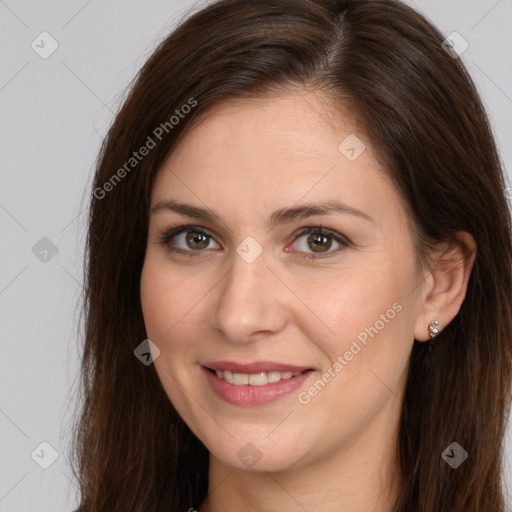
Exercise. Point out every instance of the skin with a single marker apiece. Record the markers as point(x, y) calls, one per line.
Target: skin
point(246, 159)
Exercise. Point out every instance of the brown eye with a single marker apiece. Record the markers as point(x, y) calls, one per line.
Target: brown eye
point(187, 239)
point(319, 243)
point(196, 240)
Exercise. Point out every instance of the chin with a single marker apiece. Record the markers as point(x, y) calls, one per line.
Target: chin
point(259, 455)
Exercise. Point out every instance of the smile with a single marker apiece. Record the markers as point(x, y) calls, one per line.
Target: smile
point(254, 384)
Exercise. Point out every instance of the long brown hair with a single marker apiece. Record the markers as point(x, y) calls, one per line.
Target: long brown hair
point(386, 64)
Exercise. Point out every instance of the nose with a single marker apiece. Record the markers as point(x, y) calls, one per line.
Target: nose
point(251, 301)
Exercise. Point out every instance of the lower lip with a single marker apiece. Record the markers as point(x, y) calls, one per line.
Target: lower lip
point(248, 396)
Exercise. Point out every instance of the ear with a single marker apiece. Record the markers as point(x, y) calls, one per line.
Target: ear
point(446, 282)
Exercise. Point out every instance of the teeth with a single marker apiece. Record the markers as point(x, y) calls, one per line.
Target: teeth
point(258, 379)
point(240, 378)
point(273, 377)
point(254, 379)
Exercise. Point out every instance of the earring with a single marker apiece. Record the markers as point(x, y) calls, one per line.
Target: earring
point(433, 328)
point(433, 331)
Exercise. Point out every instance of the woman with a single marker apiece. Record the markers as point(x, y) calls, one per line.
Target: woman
point(299, 272)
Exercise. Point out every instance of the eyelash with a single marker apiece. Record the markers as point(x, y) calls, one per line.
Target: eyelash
point(171, 233)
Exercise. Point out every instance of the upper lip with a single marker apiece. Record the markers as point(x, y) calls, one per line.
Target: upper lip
point(256, 367)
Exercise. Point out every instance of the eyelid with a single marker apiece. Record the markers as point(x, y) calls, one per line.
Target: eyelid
point(340, 238)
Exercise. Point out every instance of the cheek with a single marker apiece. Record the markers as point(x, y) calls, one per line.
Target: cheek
point(154, 301)
point(163, 301)
point(367, 355)
point(165, 305)
point(361, 304)
point(371, 310)
point(166, 296)
point(173, 317)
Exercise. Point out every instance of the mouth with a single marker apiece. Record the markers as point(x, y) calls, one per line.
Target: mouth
point(255, 383)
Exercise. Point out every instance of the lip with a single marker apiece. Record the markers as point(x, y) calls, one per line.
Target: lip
point(251, 396)
point(256, 367)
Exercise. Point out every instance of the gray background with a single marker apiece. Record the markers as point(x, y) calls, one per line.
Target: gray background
point(54, 113)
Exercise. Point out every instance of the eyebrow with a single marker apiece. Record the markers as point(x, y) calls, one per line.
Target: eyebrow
point(280, 216)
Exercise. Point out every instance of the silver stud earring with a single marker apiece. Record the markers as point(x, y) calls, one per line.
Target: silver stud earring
point(433, 331)
point(433, 328)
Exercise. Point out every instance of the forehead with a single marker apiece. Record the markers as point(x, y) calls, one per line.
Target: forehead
point(273, 152)
point(289, 126)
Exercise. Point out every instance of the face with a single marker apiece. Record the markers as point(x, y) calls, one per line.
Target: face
point(307, 313)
